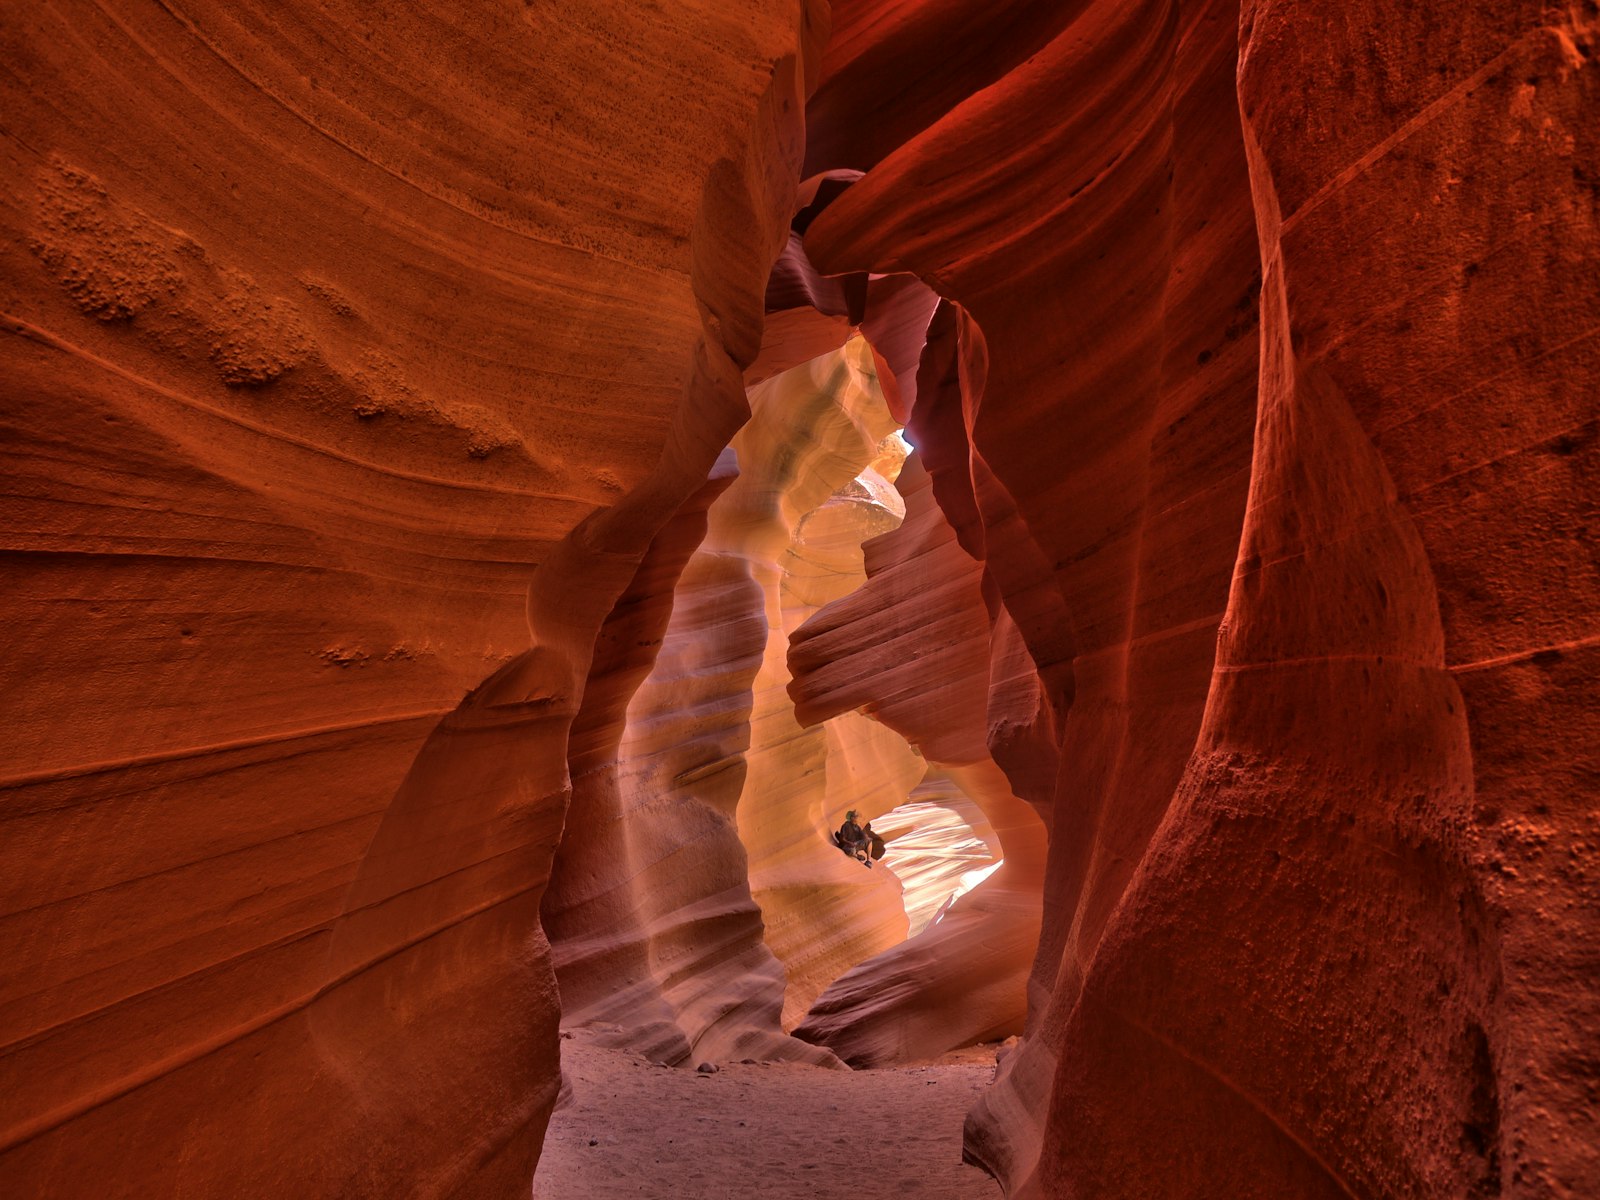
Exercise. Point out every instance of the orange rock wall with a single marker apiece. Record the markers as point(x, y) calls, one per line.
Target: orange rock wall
point(653, 931)
point(323, 331)
point(1466, 382)
point(1106, 384)
point(797, 519)
point(364, 382)
point(697, 903)
point(1318, 914)
point(912, 647)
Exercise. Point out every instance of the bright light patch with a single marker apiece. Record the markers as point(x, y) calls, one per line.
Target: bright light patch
point(969, 881)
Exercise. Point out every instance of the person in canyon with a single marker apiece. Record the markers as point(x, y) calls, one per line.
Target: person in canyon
point(853, 839)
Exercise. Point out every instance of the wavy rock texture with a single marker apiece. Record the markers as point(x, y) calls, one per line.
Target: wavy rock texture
point(660, 921)
point(1469, 385)
point(811, 493)
point(1298, 872)
point(347, 326)
point(1109, 399)
point(365, 385)
point(648, 910)
point(912, 648)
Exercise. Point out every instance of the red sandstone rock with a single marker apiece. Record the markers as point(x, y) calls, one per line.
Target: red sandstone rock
point(912, 647)
point(796, 522)
point(654, 933)
point(1124, 457)
point(1255, 553)
point(322, 331)
point(697, 836)
point(1293, 899)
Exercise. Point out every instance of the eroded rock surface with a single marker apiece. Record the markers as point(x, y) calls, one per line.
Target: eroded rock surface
point(912, 647)
point(698, 901)
point(1297, 850)
point(372, 557)
point(322, 332)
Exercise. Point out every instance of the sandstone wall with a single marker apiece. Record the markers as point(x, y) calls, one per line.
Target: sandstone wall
point(365, 381)
point(698, 903)
point(322, 332)
point(1431, 285)
point(912, 648)
point(1105, 373)
point(1313, 903)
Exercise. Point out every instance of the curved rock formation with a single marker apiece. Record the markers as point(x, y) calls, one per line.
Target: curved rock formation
point(808, 499)
point(939, 845)
point(366, 382)
point(912, 648)
point(648, 908)
point(704, 799)
point(1288, 947)
point(1462, 392)
point(299, 389)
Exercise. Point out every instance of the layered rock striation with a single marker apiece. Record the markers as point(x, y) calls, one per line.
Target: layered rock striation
point(1294, 872)
point(696, 859)
point(373, 558)
point(324, 335)
point(912, 647)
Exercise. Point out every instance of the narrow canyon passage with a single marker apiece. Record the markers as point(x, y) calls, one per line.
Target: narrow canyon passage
point(678, 987)
point(728, 724)
point(489, 486)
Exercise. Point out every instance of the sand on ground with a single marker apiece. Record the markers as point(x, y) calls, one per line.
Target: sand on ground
point(773, 1131)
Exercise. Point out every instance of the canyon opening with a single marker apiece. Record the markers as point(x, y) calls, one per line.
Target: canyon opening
point(491, 488)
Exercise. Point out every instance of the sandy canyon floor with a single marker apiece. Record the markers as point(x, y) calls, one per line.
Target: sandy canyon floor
point(771, 1130)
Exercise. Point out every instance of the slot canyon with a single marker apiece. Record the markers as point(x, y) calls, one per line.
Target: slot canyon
point(491, 486)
